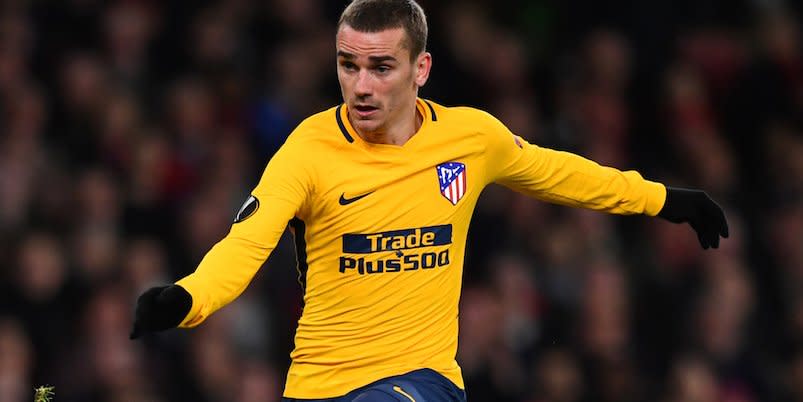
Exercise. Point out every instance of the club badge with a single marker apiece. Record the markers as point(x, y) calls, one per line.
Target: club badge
point(452, 180)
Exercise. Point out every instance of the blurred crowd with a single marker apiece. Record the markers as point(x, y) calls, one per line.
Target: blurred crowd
point(132, 130)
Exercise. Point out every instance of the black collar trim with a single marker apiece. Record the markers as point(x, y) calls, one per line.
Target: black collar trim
point(432, 111)
point(342, 126)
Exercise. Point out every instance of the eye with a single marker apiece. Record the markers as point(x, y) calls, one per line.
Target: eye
point(382, 69)
point(349, 66)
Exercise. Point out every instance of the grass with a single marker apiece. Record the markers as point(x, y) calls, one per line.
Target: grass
point(44, 394)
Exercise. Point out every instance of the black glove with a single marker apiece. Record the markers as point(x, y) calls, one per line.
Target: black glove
point(697, 208)
point(160, 308)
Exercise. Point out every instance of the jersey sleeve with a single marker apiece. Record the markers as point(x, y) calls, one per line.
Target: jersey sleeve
point(230, 265)
point(566, 178)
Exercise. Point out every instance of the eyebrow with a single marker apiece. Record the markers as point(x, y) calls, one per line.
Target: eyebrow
point(373, 59)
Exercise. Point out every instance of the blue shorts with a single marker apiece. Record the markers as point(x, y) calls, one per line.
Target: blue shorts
point(423, 385)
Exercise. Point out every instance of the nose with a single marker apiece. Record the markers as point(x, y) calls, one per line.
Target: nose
point(362, 87)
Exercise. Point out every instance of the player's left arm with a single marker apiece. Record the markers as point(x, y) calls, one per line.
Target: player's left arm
point(230, 265)
point(569, 179)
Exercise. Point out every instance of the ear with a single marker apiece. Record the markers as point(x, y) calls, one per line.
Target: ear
point(423, 64)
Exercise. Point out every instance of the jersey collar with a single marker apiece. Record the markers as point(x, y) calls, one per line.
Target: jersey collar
point(341, 116)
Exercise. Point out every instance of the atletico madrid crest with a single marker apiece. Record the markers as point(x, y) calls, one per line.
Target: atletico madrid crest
point(452, 179)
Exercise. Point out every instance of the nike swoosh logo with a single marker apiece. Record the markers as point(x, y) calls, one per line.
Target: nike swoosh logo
point(401, 391)
point(347, 201)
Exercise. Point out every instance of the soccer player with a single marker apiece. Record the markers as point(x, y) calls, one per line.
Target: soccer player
point(379, 192)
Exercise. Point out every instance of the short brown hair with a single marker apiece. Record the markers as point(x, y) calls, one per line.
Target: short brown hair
point(379, 15)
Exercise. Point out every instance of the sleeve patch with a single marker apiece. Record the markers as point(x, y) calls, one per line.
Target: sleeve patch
point(249, 208)
point(517, 141)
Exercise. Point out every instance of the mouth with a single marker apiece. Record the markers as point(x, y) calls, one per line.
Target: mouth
point(365, 110)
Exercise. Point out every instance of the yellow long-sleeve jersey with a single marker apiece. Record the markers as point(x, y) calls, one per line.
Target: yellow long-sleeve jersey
point(382, 230)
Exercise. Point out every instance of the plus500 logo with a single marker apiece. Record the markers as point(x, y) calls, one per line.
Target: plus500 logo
point(405, 245)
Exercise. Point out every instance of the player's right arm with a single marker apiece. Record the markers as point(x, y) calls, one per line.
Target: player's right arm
point(569, 179)
point(564, 178)
point(229, 265)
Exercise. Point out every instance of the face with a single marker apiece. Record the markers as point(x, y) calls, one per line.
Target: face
point(378, 81)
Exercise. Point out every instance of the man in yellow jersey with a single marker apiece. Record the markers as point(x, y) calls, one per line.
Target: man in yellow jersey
point(379, 192)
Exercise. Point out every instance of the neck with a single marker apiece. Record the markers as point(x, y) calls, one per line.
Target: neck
point(399, 132)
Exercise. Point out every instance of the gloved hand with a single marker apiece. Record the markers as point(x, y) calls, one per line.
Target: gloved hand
point(699, 210)
point(160, 308)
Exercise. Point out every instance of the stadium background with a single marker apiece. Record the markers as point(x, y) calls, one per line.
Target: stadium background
point(131, 131)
